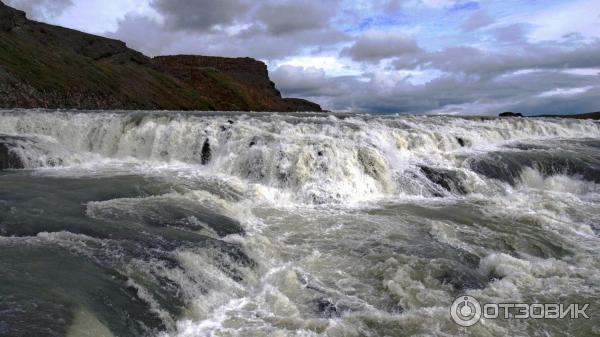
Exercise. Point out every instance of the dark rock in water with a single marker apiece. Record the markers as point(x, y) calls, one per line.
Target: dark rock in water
point(596, 229)
point(320, 153)
point(230, 121)
point(507, 166)
point(511, 114)
point(253, 141)
point(460, 141)
point(9, 159)
point(327, 308)
point(447, 179)
point(462, 278)
point(206, 152)
point(397, 309)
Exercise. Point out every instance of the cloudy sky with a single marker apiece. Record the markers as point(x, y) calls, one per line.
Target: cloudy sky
point(418, 56)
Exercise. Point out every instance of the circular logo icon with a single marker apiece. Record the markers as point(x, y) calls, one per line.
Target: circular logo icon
point(465, 311)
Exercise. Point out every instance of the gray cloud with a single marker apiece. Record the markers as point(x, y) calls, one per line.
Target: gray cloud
point(477, 20)
point(199, 15)
point(135, 31)
point(376, 46)
point(289, 17)
point(453, 92)
point(309, 82)
point(511, 34)
point(474, 61)
point(233, 28)
point(253, 41)
point(40, 9)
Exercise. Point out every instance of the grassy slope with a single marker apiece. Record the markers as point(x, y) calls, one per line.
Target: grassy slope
point(60, 71)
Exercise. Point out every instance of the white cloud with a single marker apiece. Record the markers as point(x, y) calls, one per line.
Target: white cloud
point(565, 92)
point(582, 17)
point(330, 65)
point(100, 16)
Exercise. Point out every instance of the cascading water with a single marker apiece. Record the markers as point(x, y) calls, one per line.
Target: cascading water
point(231, 224)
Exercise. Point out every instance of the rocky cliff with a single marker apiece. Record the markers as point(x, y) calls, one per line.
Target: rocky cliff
point(45, 66)
point(230, 83)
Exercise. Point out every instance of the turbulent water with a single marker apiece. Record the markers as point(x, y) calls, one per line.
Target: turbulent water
point(227, 224)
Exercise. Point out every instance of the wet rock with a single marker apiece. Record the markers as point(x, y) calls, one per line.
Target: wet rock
point(320, 153)
point(463, 278)
point(9, 159)
point(206, 152)
point(230, 121)
point(448, 180)
point(460, 141)
point(396, 309)
point(596, 229)
point(253, 141)
point(508, 166)
point(327, 308)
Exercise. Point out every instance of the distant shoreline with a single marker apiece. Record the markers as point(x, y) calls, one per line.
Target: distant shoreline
point(588, 115)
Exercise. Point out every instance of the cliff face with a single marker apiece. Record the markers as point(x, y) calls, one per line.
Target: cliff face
point(230, 83)
point(45, 66)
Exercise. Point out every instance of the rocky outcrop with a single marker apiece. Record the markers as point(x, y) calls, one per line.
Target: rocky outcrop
point(9, 159)
point(244, 70)
point(10, 18)
point(230, 83)
point(511, 114)
point(45, 66)
point(447, 179)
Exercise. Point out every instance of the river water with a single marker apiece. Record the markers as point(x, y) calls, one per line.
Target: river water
point(259, 224)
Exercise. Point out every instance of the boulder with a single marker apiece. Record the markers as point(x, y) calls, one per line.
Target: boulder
point(206, 152)
point(447, 179)
point(8, 158)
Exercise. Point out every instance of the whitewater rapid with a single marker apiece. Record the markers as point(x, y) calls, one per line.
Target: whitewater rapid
point(261, 224)
point(312, 159)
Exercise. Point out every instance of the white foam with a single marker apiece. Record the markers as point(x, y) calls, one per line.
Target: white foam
point(305, 159)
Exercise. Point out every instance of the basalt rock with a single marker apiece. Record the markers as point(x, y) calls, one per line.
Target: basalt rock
point(447, 179)
point(9, 159)
point(206, 152)
point(326, 308)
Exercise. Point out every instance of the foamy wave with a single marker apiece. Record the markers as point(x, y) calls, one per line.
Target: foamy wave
point(314, 159)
